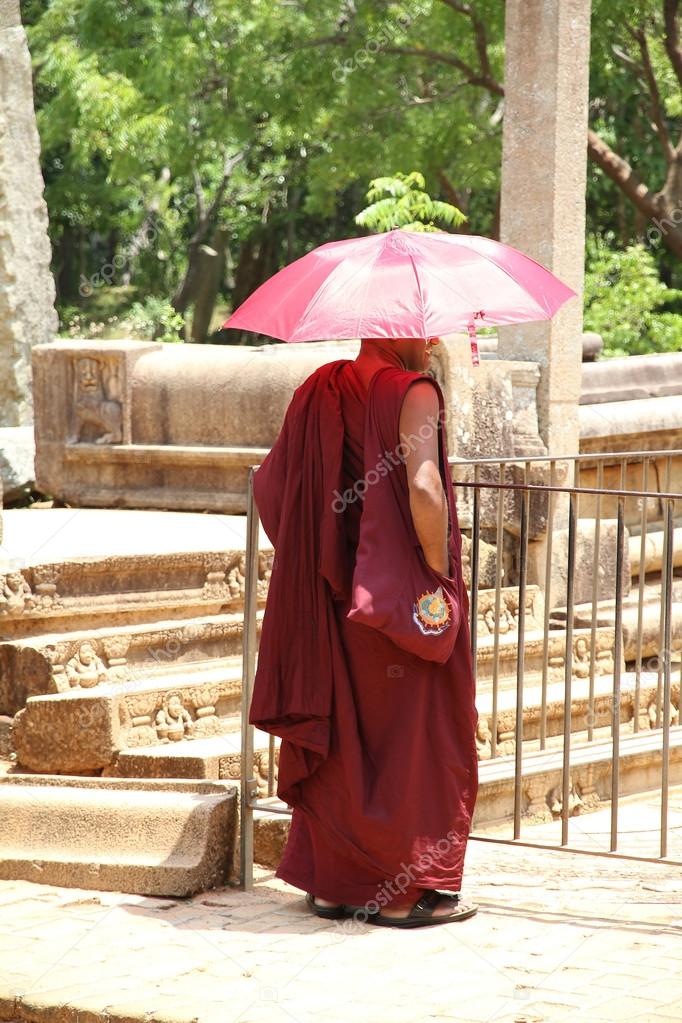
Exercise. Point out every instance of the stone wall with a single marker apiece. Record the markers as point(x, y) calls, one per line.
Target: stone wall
point(146, 425)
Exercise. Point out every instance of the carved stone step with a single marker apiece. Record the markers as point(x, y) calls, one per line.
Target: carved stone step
point(497, 642)
point(83, 730)
point(650, 643)
point(218, 758)
point(582, 715)
point(54, 663)
point(65, 569)
point(113, 834)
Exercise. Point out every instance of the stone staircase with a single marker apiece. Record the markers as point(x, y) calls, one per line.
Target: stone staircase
point(147, 837)
point(120, 682)
point(126, 651)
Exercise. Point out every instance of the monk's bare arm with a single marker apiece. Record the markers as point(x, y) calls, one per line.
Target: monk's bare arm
point(428, 503)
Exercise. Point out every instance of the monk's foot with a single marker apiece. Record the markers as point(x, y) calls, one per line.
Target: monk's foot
point(324, 903)
point(443, 907)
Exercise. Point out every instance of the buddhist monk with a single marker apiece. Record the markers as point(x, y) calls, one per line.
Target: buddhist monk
point(378, 757)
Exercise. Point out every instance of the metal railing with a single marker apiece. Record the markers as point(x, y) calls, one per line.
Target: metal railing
point(548, 586)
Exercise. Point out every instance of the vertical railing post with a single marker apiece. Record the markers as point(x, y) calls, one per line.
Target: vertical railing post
point(249, 786)
point(667, 582)
point(640, 591)
point(596, 555)
point(474, 565)
point(547, 605)
point(499, 556)
point(617, 657)
point(521, 661)
point(568, 665)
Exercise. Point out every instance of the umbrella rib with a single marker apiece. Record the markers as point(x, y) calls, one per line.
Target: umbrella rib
point(509, 274)
point(358, 322)
point(326, 283)
point(448, 284)
point(419, 289)
point(516, 282)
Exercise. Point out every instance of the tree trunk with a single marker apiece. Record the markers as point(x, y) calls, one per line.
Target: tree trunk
point(211, 268)
point(650, 204)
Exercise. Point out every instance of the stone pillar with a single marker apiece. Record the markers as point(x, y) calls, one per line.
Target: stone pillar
point(27, 290)
point(544, 168)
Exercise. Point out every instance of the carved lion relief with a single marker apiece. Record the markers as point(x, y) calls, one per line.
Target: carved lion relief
point(97, 407)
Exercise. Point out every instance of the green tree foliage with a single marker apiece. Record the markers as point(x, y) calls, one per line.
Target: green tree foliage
point(627, 303)
point(235, 135)
point(401, 202)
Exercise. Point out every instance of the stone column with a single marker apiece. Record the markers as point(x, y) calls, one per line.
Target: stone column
point(544, 167)
point(27, 290)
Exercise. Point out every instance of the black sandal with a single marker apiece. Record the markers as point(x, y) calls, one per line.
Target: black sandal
point(422, 912)
point(328, 912)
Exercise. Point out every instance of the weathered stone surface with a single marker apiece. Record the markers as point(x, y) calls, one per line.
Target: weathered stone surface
point(27, 291)
point(116, 421)
point(497, 646)
point(82, 730)
point(592, 345)
point(124, 835)
point(650, 644)
point(487, 558)
point(653, 551)
point(123, 638)
point(82, 569)
point(217, 758)
point(17, 454)
point(123, 657)
point(270, 834)
point(632, 378)
point(5, 735)
point(590, 777)
point(491, 408)
point(584, 567)
point(542, 208)
point(651, 424)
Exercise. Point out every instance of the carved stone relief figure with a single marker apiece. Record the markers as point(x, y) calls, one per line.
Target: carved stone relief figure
point(97, 412)
point(506, 622)
point(173, 721)
point(15, 594)
point(483, 739)
point(555, 800)
point(264, 572)
point(651, 714)
point(45, 578)
point(236, 578)
point(86, 669)
point(581, 658)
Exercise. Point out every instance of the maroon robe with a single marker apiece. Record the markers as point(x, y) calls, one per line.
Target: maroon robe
point(378, 755)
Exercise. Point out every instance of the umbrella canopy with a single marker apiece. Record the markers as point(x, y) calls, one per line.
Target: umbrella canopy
point(401, 284)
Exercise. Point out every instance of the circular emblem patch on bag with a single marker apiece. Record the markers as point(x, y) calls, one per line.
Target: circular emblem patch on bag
point(431, 612)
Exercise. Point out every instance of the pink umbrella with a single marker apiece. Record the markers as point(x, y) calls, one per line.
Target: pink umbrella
point(401, 284)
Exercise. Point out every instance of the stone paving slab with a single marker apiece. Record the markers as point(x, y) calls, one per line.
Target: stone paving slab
point(558, 936)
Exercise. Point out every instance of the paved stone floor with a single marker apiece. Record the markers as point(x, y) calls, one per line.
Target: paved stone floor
point(558, 936)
